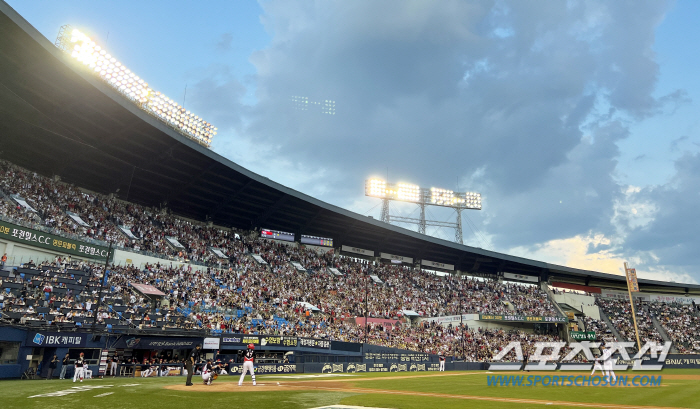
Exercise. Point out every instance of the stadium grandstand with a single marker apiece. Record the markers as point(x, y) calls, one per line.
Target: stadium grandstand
point(114, 224)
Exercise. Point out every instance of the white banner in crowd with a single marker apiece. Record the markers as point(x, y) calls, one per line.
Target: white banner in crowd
point(76, 218)
point(520, 277)
point(298, 266)
point(393, 257)
point(127, 230)
point(357, 250)
point(259, 259)
point(335, 271)
point(435, 264)
point(174, 242)
point(376, 279)
point(218, 252)
point(23, 203)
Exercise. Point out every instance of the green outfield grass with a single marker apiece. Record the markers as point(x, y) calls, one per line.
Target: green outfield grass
point(390, 390)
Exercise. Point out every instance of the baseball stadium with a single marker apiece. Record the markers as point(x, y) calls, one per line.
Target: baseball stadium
point(142, 269)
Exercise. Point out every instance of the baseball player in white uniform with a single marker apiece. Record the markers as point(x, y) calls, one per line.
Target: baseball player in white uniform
point(442, 361)
point(147, 372)
point(113, 367)
point(608, 362)
point(597, 366)
point(79, 368)
point(248, 359)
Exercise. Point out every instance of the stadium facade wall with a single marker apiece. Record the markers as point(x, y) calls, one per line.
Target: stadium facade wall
point(14, 233)
point(585, 303)
point(21, 253)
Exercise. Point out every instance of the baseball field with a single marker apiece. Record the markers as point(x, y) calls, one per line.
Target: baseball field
point(678, 389)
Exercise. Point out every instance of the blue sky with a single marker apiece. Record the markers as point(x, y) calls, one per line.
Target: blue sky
point(577, 120)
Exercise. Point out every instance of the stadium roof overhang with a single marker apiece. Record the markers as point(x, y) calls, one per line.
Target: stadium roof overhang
point(56, 118)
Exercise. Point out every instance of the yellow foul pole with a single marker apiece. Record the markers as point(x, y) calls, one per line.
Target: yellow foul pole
point(632, 285)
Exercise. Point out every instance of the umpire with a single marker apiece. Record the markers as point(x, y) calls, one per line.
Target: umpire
point(189, 364)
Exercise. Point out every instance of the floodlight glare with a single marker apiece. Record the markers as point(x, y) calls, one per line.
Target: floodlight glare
point(86, 51)
point(406, 192)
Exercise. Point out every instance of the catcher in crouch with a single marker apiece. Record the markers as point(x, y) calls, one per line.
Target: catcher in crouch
point(209, 374)
point(248, 359)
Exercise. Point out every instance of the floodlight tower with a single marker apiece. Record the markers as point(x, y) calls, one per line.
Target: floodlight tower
point(105, 67)
point(423, 197)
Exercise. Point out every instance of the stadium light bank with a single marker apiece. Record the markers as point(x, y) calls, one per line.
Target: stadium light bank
point(406, 192)
point(106, 67)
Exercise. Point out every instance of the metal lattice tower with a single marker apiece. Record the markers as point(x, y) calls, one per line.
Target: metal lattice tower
point(458, 228)
point(63, 38)
point(385, 210)
point(423, 197)
point(421, 225)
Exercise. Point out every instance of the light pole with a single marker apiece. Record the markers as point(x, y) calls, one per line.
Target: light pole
point(366, 305)
point(461, 321)
point(102, 284)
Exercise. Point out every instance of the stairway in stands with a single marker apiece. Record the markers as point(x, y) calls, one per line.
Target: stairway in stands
point(606, 319)
point(550, 295)
point(661, 329)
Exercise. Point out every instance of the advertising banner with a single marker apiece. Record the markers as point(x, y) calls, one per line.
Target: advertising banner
point(356, 367)
point(380, 353)
point(680, 361)
point(357, 250)
point(632, 283)
point(211, 343)
point(16, 233)
point(621, 295)
point(314, 343)
point(56, 339)
point(435, 264)
point(451, 319)
point(275, 340)
point(402, 259)
point(519, 318)
point(520, 277)
point(266, 369)
point(135, 342)
point(583, 336)
point(679, 299)
point(240, 339)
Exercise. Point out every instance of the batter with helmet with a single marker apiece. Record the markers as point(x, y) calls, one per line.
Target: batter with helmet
point(248, 359)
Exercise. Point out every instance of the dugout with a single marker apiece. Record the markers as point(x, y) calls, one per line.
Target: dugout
point(22, 349)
